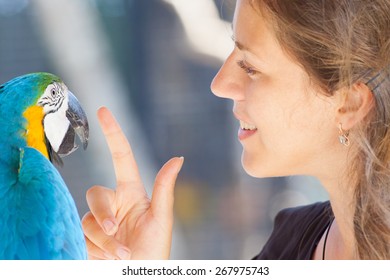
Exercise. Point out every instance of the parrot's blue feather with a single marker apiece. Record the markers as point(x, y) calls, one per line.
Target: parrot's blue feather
point(38, 217)
point(45, 231)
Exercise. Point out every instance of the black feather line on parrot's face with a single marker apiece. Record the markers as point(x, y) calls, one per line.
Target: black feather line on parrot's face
point(53, 156)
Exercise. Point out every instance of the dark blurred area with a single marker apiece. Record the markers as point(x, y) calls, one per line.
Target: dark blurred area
point(139, 57)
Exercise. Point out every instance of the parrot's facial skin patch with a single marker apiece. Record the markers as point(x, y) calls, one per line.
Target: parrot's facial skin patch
point(54, 98)
point(54, 102)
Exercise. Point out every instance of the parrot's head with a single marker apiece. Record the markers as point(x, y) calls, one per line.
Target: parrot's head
point(53, 115)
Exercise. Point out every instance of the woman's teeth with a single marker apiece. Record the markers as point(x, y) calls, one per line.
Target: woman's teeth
point(246, 126)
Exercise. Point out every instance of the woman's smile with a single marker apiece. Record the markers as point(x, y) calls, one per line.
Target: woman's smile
point(246, 130)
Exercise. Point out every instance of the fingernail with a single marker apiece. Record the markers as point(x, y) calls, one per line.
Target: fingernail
point(181, 164)
point(123, 254)
point(109, 227)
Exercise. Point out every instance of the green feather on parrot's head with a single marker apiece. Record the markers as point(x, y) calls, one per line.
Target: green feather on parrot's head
point(50, 114)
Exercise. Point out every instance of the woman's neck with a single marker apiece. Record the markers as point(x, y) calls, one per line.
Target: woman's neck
point(340, 240)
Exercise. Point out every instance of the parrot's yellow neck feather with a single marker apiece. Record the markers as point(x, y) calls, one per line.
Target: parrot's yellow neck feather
point(35, 135)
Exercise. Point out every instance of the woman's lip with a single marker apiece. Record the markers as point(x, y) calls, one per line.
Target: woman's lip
point(245, 133)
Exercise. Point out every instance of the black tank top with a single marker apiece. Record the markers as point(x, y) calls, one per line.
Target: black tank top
point(296, 233)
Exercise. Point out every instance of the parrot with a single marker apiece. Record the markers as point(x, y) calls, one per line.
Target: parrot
point(39, 121)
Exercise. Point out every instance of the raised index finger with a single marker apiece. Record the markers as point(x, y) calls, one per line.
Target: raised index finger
point(125, 166)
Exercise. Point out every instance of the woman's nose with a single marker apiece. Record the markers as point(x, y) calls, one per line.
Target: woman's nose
point(227, 83)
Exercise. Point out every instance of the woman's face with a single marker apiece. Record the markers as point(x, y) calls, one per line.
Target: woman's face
point(286, 127)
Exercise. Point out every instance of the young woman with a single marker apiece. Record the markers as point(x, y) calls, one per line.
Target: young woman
point(310, 81)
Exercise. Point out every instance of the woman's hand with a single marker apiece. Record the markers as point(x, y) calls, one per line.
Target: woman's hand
point(124, 223)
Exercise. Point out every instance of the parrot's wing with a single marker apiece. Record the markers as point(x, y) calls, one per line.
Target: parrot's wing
point(44, 223)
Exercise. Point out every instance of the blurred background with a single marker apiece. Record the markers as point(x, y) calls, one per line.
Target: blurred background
point(151, 62)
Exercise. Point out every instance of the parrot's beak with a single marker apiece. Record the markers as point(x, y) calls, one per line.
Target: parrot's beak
point(78, 119)
point(78, 125)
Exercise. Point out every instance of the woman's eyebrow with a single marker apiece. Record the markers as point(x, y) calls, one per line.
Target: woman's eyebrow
point(245, 48)
point(240, 46)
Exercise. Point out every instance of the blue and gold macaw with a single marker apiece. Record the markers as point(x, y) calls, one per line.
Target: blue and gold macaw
point(39, 119)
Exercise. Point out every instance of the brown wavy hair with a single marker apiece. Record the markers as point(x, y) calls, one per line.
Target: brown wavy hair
point(340, 43)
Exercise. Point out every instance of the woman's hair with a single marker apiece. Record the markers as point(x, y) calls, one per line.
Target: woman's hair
point(340, 43)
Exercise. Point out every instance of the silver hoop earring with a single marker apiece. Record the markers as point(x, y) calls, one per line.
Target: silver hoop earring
point(343, 136)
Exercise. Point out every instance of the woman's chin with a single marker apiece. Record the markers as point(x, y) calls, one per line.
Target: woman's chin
point(252, 167)
point(259, 168)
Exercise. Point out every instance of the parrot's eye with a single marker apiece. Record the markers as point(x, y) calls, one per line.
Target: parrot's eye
point(53, 93)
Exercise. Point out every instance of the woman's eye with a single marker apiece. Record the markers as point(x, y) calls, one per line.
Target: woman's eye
point(249, 70)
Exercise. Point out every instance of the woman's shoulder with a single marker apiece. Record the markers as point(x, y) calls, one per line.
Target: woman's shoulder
point(297, 231)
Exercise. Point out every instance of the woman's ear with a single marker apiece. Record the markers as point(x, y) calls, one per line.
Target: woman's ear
point(355, 104)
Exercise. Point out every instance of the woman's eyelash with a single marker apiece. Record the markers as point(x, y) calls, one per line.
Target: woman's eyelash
point(249, 70)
